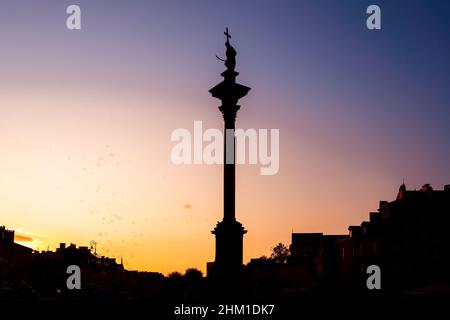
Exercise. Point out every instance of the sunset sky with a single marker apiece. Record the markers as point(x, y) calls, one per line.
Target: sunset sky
point(86, 118)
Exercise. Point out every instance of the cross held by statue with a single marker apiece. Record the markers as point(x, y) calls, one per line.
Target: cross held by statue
point(227, 34)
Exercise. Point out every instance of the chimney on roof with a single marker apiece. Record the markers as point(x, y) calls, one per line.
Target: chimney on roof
point(365, 225)
point(6, 236)
point(374, 216)
point(354, 231)
point(382, 204)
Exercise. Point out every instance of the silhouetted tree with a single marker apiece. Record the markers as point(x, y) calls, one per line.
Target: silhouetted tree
point(280, 253)
point(193, 275)
point(175, 279)
point(193, 282)
point(175, 275)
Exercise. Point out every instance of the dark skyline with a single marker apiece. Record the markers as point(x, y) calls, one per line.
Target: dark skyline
point(86, 119)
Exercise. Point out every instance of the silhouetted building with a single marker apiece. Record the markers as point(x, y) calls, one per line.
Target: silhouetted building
point(17, 257)
point(101, 277)
point(229, 232)
point(32, 275)
point(407, 238)
point(319, 252)
point(266, 273)
point(99, 274)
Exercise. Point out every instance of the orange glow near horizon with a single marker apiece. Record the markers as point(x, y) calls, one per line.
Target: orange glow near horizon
point(79, 170)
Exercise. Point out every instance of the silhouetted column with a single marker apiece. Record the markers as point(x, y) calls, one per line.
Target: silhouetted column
point(229, 232)
point(229, 172)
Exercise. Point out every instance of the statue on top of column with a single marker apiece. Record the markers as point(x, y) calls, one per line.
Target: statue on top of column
point(230, 62)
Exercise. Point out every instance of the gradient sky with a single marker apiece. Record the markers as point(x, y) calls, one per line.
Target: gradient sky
point(86, 118)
